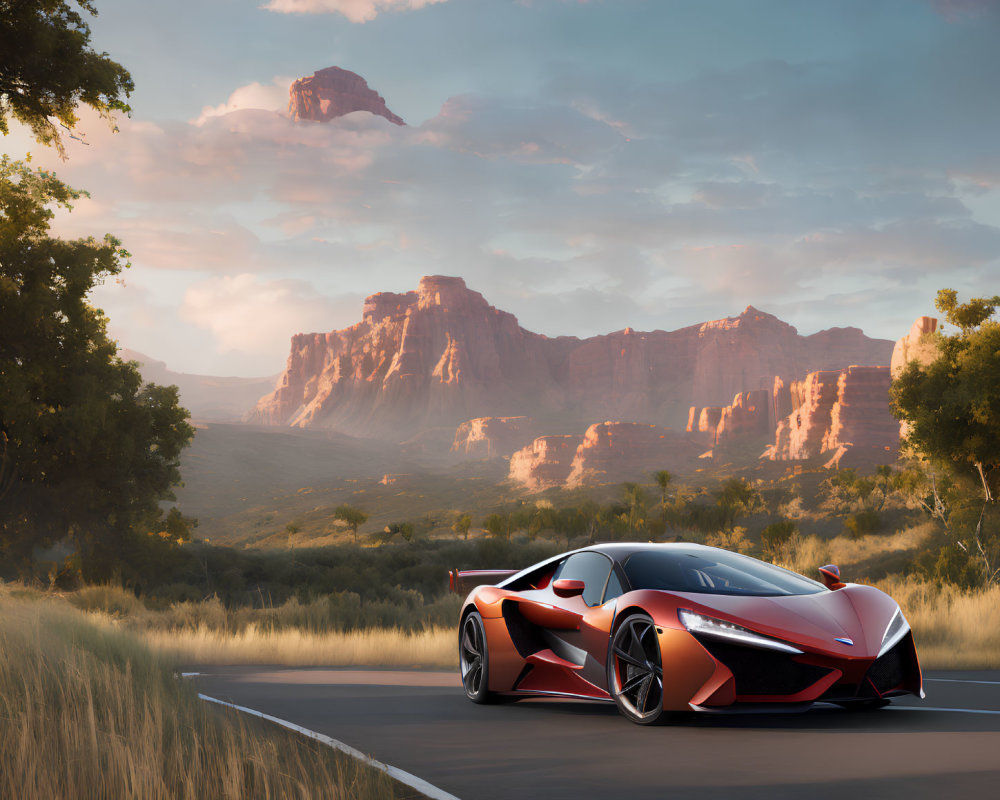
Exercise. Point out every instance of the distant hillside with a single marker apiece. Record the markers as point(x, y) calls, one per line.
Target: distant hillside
point(207, 397)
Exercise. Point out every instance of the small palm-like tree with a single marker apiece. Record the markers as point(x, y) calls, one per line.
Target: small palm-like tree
point(663, 479)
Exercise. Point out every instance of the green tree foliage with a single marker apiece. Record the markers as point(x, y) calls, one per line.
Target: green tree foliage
point(498, 525)
point(351, 516)
point(462, 524)
point(47, 68)
point(952, 410)
point(735, 497)
point(86, 450)
point(776, 536)
point(862, 523)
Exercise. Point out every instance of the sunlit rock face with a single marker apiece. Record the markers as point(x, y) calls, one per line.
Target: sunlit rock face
point(333, 92)
point(608, 452)
point(493, 437)
point(918, 345)
point(442, 355)
point(617, 451)
point(747, 417)
point(545, 463)
point(841, 415)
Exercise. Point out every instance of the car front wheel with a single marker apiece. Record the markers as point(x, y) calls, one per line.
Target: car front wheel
point(635, 670)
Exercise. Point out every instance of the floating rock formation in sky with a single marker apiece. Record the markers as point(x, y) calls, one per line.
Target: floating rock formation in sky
point(333, 92)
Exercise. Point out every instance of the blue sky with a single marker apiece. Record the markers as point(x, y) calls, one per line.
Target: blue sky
point(585, 165)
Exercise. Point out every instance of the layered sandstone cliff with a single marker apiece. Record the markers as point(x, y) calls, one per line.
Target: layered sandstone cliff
point(333, 92)
point(841, 415)
point(747, 417)
point(607, 453)
point(617, 451)
point(441, 355)
point(544, 463)
point(493, 437)
point(918, 345)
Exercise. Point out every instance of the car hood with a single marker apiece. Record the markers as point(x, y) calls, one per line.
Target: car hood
point(815, 621)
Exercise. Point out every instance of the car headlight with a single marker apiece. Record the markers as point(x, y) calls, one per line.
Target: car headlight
point(896, 630)
point(720, 629)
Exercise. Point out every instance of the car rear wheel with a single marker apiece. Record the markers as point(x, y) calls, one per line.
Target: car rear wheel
point(473, 658)
point(635, 670)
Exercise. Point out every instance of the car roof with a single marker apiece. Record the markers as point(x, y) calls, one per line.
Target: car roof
point(616, 551)
point(620, 551)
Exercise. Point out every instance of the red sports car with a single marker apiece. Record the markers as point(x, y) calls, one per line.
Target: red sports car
point(670, 627)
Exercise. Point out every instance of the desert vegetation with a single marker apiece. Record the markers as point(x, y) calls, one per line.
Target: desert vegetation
point(89, 709)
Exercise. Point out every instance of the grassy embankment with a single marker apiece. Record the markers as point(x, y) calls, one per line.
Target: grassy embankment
point(88, 710)
point(954, 628)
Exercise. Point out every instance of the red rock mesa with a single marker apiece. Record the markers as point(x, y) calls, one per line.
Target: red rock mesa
point(333, 92)
point(442, 355)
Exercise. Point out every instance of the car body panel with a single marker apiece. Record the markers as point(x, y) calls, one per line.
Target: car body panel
point(541, 643)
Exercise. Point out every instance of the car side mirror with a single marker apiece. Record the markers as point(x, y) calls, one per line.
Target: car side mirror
point(831, 577)
point(565, 587)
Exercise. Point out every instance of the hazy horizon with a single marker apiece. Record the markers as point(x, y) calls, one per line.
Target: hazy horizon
point(586, 166)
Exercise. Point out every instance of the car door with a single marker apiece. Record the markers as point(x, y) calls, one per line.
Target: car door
point(585, 644)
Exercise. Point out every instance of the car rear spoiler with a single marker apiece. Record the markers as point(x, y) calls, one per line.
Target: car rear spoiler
point(463, 581)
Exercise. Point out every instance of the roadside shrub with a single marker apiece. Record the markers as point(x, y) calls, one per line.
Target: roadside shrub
point(862, 523)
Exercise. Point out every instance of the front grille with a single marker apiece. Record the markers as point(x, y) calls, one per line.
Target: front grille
point(888, 671)
point(763, 672)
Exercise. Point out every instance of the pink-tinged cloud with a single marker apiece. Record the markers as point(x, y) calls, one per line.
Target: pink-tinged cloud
point(268, 96)
point(248, 315)
point(354, 10)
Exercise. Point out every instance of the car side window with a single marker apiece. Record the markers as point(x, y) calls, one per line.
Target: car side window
point(591, 568)
point(614, 588)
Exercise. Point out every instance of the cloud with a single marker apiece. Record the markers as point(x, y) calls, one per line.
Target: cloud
point(269, 97)
point(599, 203)
point(956, 10)
point(354, 10)
point(248, 315)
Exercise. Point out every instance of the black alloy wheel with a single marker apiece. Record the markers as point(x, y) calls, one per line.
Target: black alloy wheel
point(635, 670)
point(473, 658)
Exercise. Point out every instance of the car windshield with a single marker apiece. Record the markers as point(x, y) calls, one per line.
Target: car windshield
point(711, 571)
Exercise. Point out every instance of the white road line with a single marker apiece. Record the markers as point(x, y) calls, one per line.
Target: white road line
point(402, 776)
point(932, 708)
point(961, 680)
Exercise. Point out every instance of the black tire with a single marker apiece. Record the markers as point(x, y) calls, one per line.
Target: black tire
point(635, 671)
point(474, 659)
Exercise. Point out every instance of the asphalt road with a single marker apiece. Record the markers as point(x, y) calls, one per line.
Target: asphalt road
point(421, 722)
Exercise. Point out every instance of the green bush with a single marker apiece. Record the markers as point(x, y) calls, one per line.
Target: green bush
point(862, 523)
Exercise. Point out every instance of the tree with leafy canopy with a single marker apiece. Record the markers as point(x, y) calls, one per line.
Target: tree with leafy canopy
point(952, 410)
point(351, 516)
point(48, 68)
point(87, 451)
point(462, 524)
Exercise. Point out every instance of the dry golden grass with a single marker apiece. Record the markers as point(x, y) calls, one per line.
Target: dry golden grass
point(953, 628)
point(435, 647)
point(804, 554)
point(88, 711)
